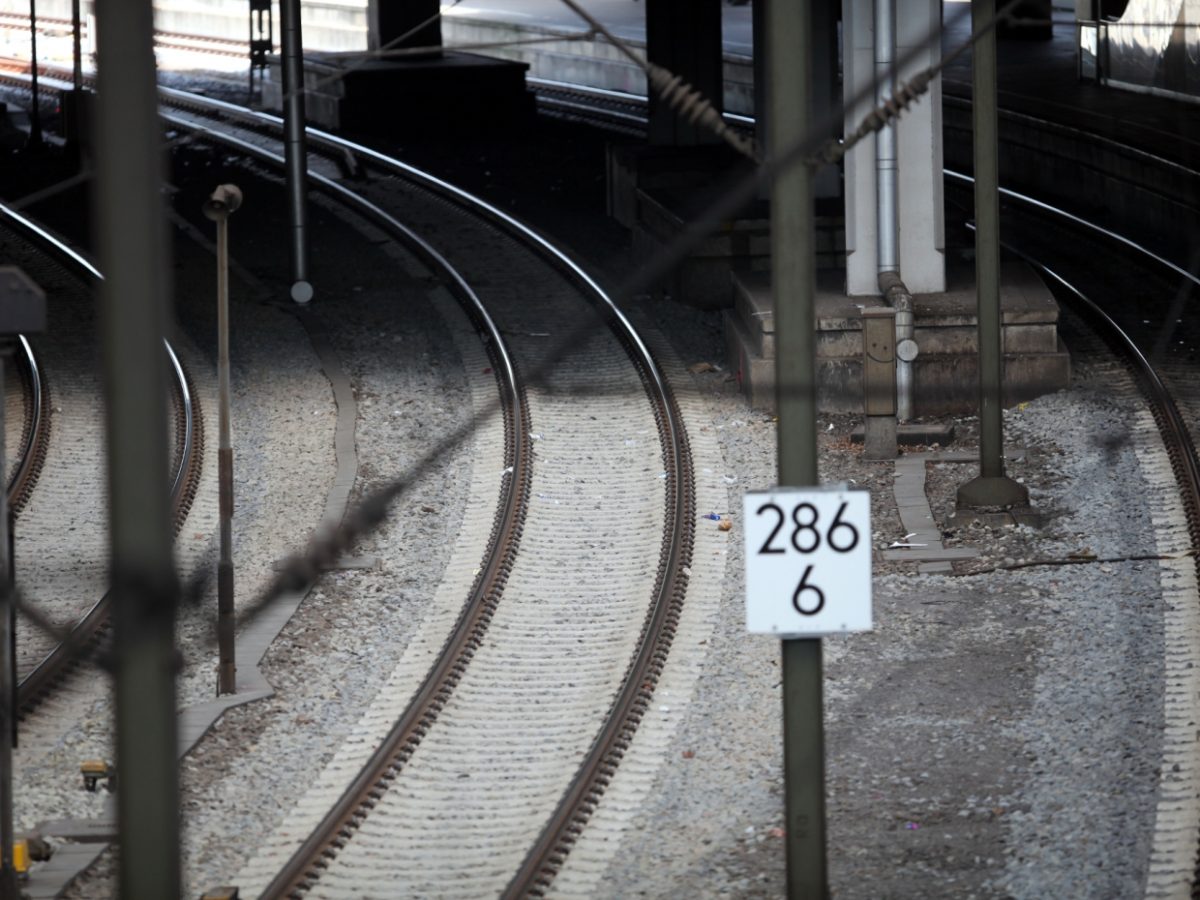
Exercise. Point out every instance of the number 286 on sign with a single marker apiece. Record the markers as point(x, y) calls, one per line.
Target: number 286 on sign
point(808, 561)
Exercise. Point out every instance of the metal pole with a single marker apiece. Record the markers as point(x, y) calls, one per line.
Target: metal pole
point(130, 231)
point(224, 201)
point(992, 487)
point(8, 687)
point(987, 242)
point(76, 45)
point(35, 112)
point(295, 162)
point(793, 261)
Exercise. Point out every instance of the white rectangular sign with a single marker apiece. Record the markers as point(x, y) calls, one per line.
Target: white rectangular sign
point(808, 561)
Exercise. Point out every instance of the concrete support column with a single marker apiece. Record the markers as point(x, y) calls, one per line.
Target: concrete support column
point(919, 139)
point(684, 36)
point(390, 20)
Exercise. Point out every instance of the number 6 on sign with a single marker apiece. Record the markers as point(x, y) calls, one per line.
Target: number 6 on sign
point(808, 561)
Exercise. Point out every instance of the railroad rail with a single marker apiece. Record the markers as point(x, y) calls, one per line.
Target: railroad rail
point(35, 430)
point(185, 479)
point(166, 39)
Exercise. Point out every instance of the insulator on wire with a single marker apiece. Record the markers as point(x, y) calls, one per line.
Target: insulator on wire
point(689, 103)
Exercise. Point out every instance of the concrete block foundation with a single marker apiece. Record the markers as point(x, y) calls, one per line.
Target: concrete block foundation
point(946, 373)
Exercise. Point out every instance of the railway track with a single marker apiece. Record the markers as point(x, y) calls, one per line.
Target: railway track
point(632, 696)
point(47, 663)
point(638, 666)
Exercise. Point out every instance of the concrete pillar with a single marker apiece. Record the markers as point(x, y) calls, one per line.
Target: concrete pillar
point(919, 136)
point(389, 20)
point(684, 36)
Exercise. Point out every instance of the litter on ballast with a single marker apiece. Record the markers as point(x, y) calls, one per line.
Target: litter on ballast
point(698, 368)
point(716, 517)
point(911, 826)
point(725, 525)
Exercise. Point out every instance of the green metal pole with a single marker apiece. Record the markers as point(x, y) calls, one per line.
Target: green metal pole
point(129, 226)
point(793, 260)
point(992, 487)
point(987, 241)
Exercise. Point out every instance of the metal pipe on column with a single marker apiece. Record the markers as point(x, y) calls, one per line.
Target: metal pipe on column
point(887, 205)
point(129, 226)
point(886, 193)
point(295, 152)
point(793, 266)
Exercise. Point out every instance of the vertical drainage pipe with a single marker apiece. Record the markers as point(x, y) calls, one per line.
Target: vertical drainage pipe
point(887, 227)
point(294, 152)
point(887, 206)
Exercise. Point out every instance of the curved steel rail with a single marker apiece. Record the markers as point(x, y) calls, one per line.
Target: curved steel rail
point(633, 699)
point(189, 444)
point(35, 436)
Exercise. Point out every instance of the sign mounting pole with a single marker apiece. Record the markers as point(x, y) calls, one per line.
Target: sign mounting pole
point(789, 61)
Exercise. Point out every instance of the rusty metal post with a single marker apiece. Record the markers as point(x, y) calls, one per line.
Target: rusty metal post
point(130, 230)
point(224, 201)
point(879, 382)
